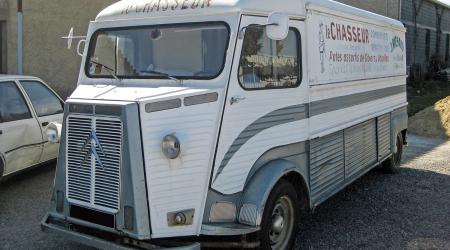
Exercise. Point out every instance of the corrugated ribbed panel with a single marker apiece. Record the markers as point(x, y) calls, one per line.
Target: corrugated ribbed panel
point(384, 136)
point(360, 149)
point(107, 177)
point(327, 166)
point(249, 215)
point(78, 167)
point(94, 182)
point(179, 184)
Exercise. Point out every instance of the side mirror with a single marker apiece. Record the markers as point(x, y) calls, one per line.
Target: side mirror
point(277, 26)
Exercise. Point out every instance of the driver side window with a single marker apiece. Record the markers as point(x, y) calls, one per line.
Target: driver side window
point(269, 64)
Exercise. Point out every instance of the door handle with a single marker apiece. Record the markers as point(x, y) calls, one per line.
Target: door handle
point(235, 100)
point(1, 132)
point(44, 124)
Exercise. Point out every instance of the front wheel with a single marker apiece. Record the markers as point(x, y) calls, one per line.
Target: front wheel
point(392, 165)
point(1, 168)
point(279, 224)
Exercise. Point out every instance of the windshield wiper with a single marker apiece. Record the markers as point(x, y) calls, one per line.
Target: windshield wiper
point(161, 74)
point(110, 71)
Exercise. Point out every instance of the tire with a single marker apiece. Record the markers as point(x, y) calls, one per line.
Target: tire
point(280, 220)
point(392, 165)
point(2, 167)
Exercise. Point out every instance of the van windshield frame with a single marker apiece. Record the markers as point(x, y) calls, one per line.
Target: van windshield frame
point(161, 75)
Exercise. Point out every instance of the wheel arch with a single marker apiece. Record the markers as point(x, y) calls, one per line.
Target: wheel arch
point(259, 187)
point(399, 124)
point(299, 183)
point(2, 164)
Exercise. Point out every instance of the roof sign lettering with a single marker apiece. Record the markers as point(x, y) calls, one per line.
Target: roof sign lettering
point(164, 5)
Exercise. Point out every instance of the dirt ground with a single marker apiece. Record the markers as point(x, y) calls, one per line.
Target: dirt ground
point(433, 121)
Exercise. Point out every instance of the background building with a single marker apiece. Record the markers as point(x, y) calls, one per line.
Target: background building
point(389, 8)
point(428, 25)
point(45, 53)
point(46, 21)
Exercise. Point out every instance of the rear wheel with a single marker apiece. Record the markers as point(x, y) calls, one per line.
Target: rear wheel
point(1, 168)
point(279, 225)
point(392, 165)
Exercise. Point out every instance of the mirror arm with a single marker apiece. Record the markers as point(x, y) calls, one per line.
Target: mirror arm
point(243, 29)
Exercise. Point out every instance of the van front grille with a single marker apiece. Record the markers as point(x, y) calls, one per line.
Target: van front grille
point(94, 146)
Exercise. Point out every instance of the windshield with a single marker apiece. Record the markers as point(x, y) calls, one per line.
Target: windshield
point(185, 51)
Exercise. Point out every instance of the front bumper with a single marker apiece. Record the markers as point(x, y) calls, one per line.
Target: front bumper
point(55, 225)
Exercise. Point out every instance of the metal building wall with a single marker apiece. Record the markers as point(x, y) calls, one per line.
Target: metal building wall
point(389, 8)
point(426, 20)
point(403, 11)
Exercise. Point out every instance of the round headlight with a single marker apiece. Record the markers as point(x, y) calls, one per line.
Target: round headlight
point(171, 146)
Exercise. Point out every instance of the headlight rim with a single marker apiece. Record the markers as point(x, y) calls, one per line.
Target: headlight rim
point(171, 146)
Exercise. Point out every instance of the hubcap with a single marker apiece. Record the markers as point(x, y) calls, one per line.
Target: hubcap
point(278, 224)
point(282, 223)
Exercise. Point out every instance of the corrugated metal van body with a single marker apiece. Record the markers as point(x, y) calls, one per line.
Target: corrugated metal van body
point(384, 136)
point(338, 159)
point(263, 120)
point(360, 149)
point(355, 85)
point(180, 184)
point(327, 172)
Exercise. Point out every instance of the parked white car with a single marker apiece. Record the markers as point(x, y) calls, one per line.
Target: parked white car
point(27, 107)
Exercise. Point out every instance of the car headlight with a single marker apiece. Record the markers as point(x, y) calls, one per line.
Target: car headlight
point(53, 132)
point(171, 146)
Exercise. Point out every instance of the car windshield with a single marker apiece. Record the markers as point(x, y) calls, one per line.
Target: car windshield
point(185, 51)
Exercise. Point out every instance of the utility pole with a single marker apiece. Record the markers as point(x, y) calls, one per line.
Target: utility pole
point(19, 37)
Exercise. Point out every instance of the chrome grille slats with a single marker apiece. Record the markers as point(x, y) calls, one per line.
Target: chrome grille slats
point(89, 182)
point(107, 179)
point(76, 172)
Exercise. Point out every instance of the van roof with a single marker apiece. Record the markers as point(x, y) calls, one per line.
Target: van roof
point(132, 9)
point(137, 9)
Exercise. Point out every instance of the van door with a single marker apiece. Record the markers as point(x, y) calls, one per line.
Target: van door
point(266, 105)
point(20, 135)
point(48, 108)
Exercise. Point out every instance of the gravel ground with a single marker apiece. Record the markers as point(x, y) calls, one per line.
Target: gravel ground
point(410, 210)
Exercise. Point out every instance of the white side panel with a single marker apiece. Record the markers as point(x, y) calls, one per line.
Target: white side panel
point(180, 184)
point(233, 177)
point(321, 92)
point(341, 118)
point(341, 49)
point(263, 120)
point(337, 120)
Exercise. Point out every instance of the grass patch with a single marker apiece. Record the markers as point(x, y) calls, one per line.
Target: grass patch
point(420, 98)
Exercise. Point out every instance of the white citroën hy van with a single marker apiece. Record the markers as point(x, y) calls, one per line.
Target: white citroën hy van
point(222, 118)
